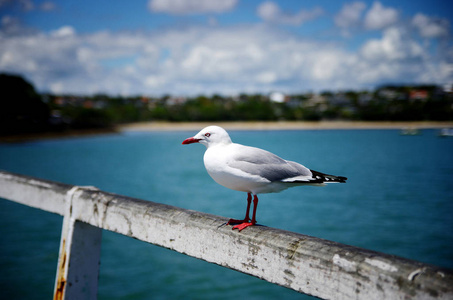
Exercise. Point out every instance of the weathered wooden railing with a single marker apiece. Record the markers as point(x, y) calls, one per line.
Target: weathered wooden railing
point(303, 263)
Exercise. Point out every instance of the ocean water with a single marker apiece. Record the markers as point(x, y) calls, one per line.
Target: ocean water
point(398, 200)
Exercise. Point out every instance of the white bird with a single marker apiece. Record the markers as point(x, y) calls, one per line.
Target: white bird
point(252, 170)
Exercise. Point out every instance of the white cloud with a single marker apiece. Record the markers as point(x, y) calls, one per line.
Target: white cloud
point(398, 57)
point(27, 5)
point(63, 31)
point(268, 10)
point(271, 12)
point(10, 25)
point(350, 14)
point(205, 60)
point(326, 66)
point(184, 7)
point(380, 17)
point(266, 77)
point(47, 6)
point(394, 45)
point(431, 27)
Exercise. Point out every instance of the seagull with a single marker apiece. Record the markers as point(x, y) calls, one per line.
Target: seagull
point(252, 170)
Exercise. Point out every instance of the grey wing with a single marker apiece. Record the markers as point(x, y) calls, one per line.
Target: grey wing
point(259, 162)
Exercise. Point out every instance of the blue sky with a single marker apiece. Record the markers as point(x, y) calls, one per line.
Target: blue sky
point(191, 47)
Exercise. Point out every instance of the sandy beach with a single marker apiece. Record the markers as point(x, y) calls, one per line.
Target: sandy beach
point(255, 125)
point(282, 125)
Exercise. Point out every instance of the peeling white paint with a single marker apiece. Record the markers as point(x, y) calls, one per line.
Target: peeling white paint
point(321, 268)
point(40, 183)
point(6, 176)
point(381, 265)
point(414, 274)
point(348, 266)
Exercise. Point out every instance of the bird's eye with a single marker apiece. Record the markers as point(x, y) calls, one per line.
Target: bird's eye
point(207, 134)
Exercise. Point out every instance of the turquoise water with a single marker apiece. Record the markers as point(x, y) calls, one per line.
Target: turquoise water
point(398, 200)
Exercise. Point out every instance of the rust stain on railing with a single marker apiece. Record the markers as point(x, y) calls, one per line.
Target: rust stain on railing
point(61, 278)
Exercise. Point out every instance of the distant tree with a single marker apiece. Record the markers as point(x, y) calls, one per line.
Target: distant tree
point(87, 118)
point(21, 108)
point(326, 93)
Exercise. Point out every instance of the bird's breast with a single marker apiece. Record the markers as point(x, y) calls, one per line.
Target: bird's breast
point(216, 163)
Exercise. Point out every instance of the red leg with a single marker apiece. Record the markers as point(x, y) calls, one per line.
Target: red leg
point(253, 222)
point(255, 206)
point(247, 218)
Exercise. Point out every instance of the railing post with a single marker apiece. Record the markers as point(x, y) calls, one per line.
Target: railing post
point(79, 258)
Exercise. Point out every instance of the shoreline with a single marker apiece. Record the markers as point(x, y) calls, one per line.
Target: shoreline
point(283, 125)
point(233, 125)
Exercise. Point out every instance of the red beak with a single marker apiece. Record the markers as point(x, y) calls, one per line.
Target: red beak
point(190, 141)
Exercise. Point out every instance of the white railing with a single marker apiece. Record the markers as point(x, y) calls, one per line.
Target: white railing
point(309, 265)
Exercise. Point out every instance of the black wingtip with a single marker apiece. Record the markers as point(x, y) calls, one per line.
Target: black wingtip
point(342, 179)
point(328, 178)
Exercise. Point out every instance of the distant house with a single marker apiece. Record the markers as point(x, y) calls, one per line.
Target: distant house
point(418, 95)
point(176, 101)
point(339, 99)
point(278, 97)
point(317, 101)
point(365, 98)
point(388, 94)
point(88, 104)
point(71, 101)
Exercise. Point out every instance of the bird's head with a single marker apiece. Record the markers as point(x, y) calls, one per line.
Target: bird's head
point(211, 135)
